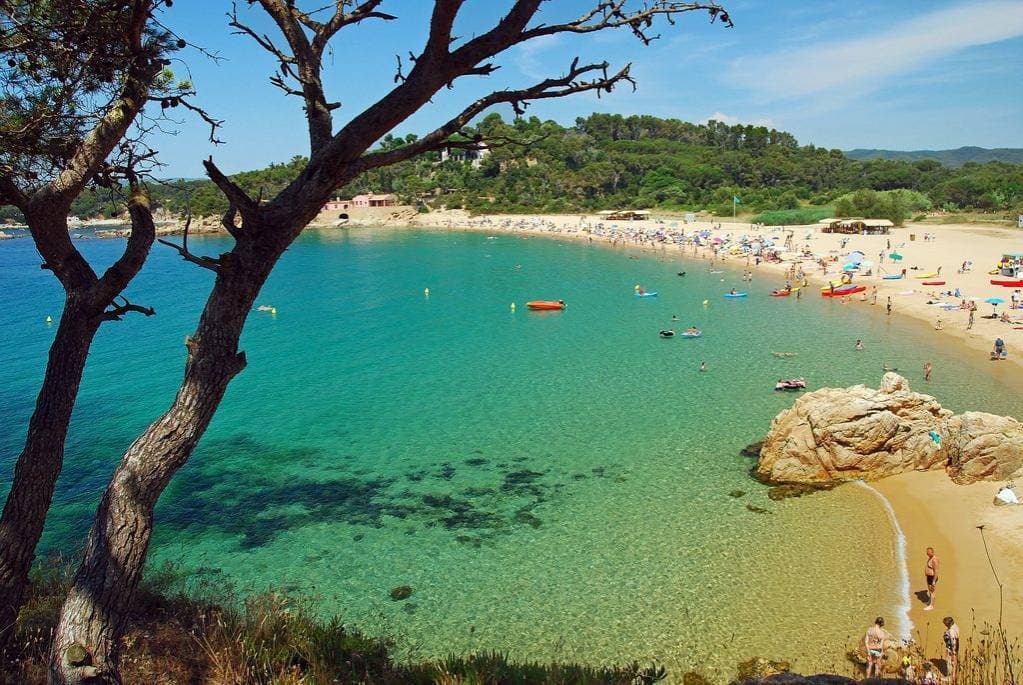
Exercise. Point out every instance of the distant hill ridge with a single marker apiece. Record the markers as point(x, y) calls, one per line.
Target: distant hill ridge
point(950, 158)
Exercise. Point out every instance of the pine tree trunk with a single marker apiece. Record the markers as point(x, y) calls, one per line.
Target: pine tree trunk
point(39, 464)
point(92, 620)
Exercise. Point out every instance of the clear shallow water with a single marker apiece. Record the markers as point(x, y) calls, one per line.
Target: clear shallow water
point(553, 485)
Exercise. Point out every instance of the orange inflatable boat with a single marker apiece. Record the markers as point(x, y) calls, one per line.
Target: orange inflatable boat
point(546, 304)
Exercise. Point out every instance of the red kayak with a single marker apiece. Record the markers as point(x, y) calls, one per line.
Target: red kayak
point(934, 282)
point(780, 293)
point(546, 304)
point(1006, 283)
point(847, 291)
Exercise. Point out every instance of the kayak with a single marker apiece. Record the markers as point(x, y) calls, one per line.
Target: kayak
point(892, 277)
point(1007, 283)
point(736, 294)
point(653, 294)
point(780, 293)
point(930, 275)
point(687, 334)
point(845, 291)
point(934, 282)
point(546, 305)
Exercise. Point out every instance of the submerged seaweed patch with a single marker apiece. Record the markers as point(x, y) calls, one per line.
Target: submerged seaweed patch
point(257, 502)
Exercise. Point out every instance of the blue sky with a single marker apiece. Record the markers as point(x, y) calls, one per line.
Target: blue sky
point(905, 74)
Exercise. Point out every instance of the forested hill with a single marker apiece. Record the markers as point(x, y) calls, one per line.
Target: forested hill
point(951, 158)
point(608, 161)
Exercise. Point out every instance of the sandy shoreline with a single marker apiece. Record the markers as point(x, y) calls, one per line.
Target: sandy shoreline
point(935, 512)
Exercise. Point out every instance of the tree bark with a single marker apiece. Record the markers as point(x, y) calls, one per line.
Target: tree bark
point(40, 462)
point(92, 620)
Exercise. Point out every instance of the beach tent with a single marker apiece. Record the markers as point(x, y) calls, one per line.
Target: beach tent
point(855, 257)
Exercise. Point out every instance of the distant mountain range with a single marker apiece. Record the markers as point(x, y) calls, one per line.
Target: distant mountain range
point(950, 158)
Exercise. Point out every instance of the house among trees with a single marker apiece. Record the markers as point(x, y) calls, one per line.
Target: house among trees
point(472, 156)
point(856, 226)
point(624, 214)
point(361, 201)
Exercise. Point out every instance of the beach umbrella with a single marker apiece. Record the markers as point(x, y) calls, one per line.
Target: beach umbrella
point(895, 256)
point(855, 257)
point(995, 301)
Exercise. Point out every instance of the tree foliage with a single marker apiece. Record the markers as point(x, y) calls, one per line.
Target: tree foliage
point(608, 160)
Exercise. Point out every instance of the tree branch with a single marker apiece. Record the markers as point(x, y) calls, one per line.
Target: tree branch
point(117, 311)
point(210, 263)
point(143, 232)
point(237, 197)
point(611, 14)
point(563, 86)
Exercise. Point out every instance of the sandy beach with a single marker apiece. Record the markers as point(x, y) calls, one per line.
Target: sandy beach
point(935, 512)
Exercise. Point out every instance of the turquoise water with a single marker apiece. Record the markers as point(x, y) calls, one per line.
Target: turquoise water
point(555, 485)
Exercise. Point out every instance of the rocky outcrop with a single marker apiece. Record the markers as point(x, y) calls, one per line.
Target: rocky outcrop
point(983, 447)
point(837, 434)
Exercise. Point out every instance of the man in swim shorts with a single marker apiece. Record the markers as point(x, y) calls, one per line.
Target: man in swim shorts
point(874, 642)
point(931, 574)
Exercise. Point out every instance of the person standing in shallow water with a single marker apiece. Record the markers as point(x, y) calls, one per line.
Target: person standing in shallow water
point(931, 575)
point(874, 642)
point(951, 639)
point(927, 371)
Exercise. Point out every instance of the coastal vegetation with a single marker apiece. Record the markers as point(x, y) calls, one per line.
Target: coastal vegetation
point(607, 161)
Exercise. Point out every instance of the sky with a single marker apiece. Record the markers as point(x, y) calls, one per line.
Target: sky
point(895, 74)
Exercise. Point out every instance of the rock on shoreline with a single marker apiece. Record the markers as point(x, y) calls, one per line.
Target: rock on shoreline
point(837, 434)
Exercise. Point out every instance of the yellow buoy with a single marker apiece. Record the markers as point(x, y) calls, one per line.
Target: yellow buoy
point(426, 291)
point(706, 302)
point(49, 319)
point(513, 306)
point(273, 311)
point(636, 288)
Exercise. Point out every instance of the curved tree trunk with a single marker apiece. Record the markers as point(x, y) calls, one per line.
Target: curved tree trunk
point(40, 462)
point(92, 619)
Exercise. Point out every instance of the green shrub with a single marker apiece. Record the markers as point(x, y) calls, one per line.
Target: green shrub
point(793, 217)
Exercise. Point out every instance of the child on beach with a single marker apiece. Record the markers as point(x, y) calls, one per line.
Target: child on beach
point(874, 642)
point(931, 576)
point(951, 639)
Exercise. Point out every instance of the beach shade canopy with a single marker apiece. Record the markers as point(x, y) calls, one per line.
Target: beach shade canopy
point(850, 267)
point(855, 257)
point(995, 301)
point(895, 256)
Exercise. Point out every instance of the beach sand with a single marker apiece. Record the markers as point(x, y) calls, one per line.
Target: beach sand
point(935, 512)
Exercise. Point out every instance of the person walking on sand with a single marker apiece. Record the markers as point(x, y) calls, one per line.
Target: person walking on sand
point(931, 575)
point(888, 306)
point(951, 639)
point(927, 371)
point(874, 642)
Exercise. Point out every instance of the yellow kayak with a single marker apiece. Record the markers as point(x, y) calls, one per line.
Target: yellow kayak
point(930, 275)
